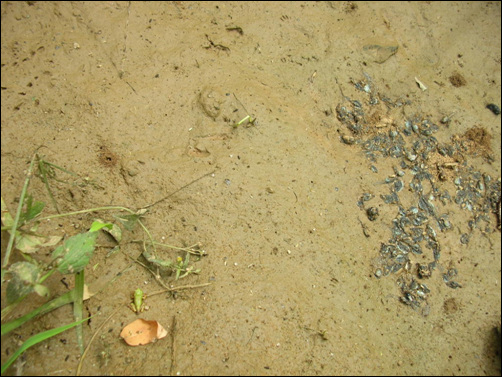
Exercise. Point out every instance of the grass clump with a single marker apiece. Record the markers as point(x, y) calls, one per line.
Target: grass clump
point(69, 256)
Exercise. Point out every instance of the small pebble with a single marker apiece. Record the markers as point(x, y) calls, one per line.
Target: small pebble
point(494, 108)
point(372, 213)
point(464, 239)
point(347, 139)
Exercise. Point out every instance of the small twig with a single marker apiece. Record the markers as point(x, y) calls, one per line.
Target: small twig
point(156, 276)
point(108, 208)
point(90, 341)
point(178, 190)
point(252, 333)
point(238, 29)
point(248, 117)
point(126, 30)
point(341, 91)
point(247, 112)
point(134, 90)
point(365, 229)
point(174, 289)
point(217, 46)
point(312, 77)
point(17, 217)
point(173, 349)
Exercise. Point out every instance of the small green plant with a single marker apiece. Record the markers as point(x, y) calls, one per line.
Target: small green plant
point(247, 118)
point(47, 170)
point(69, 256)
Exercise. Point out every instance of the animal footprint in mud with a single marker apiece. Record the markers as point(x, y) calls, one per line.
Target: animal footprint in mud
point(210, 100)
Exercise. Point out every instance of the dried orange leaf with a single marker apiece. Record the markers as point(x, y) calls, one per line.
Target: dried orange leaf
point(141, 331)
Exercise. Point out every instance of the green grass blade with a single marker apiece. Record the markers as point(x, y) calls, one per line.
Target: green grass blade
point(64, 299)
point(43, 171)
point(60, 168)
point(78, 307)
point(35, 339)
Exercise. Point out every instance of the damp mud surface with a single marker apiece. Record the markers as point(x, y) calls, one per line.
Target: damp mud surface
point(335, 163)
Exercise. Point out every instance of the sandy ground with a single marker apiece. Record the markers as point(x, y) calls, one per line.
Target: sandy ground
point(140, 99)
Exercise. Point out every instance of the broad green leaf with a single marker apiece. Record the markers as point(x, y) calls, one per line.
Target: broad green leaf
point(75, 253)
point(25, 276)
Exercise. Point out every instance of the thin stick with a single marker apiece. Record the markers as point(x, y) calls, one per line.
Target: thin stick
point(156, 276)
point(174, 289)
point(108, 208)
point(178, 190)
point(16, 218)
point(90, 341)
point(173, 349)
point(247, 112)
point(251, 119)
